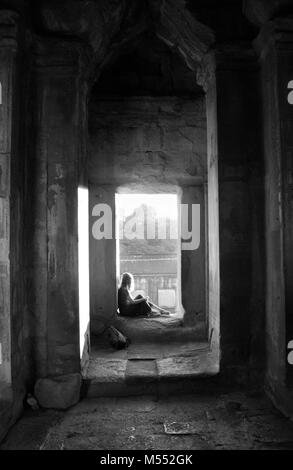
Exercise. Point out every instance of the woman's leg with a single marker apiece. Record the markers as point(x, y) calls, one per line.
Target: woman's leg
point(151, 304)
point(162, 310)
point(146, 307)
point(141, 309)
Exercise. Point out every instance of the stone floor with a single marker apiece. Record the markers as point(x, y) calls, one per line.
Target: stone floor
point(199, 421)
point(147, 367)
point(148, 350)
point(161, 329)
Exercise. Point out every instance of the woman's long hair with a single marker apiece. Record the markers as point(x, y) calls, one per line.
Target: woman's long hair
point(127, 280)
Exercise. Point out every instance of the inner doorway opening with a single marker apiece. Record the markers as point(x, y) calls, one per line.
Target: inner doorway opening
point(147, 234)
point(148, 136)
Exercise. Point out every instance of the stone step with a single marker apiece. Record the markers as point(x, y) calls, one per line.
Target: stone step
point(122, 377)
point(161, 329)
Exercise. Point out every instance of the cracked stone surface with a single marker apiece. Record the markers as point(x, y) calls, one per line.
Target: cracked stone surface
point(148, 363)
point(107, 369)
point(188, 366)
point(224, 421)
point(145, 370)
point(162, 329)
point(152, 350)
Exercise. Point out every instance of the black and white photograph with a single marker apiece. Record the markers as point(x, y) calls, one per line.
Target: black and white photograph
point(146, 230)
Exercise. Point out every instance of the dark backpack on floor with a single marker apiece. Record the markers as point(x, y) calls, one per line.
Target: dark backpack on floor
point(117, 339)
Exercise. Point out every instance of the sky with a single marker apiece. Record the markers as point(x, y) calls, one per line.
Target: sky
point(165, 205)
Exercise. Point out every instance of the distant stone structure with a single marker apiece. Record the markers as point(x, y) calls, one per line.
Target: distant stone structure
point(153, 263)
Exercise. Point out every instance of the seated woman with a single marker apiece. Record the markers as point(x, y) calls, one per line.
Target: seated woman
point(138, 306)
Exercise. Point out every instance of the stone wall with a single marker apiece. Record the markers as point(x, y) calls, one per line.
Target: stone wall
point(42, 152)
point(147, 145)
point(16, 363)
point(275, 47)
point(235, 164)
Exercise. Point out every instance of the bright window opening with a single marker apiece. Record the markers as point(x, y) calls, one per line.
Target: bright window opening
point(148, 246)
point(83, 264)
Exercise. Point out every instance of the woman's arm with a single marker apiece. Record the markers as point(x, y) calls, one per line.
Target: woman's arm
point(142, 299)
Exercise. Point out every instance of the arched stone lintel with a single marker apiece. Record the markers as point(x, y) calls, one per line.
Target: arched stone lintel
point(100, 26)
point(172, 24)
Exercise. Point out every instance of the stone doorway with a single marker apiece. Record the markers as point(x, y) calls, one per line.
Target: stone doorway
point(148, 130)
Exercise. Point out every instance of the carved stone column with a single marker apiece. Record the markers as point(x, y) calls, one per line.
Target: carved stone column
point(206, 77)
point(12, 309)
point(275, 47)
point(59, 145)
point(229, 76)
point(8, 129)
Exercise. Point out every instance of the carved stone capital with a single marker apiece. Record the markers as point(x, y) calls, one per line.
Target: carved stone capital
point(61, 57)
point(8, 28)
point(277, 33)
point(261, 11)
point(225, 57)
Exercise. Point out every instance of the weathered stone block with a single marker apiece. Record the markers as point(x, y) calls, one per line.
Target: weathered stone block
point(59, 392)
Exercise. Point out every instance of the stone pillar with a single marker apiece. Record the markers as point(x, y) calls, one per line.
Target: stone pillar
point(103, 271)
point(8, 127)
point(230, 79)
point(193, 276)
point(59, 142)
point(207, 78)
point(275, 46)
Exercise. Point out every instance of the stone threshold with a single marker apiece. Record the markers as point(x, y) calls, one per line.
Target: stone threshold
point(108, 376)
